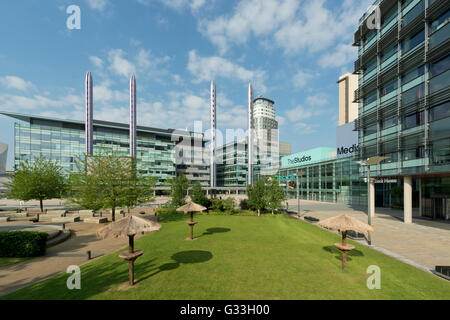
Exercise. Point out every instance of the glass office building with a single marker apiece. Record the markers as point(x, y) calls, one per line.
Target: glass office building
point(232, 164)
point(404, 100)
point(64, 141)
point(323, 177)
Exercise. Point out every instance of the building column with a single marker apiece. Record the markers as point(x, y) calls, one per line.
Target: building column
point(372, 198)
point(407, 200)
point(420, 196)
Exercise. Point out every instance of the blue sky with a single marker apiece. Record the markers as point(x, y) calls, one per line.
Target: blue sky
point(292, 50)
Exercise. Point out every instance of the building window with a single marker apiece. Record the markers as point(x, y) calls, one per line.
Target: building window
point(389, 52)
point(371, 65)
point(371, 97)
point(411, 154)
point(370, 129)
point(389, 87)
point(413, 120)
point(441, 152)
point(389, 122)
point(440, 66)
point(391, 157)
point(412, 74)
point(413, 41)
point(440, 112)
point(440, 22)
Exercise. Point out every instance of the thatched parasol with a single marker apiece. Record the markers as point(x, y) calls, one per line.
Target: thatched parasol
point(129, 227)
point(191, 207)
point(345, 223)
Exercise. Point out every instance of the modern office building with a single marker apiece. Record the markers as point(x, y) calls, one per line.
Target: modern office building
point(404, 100)
point(3, 157)
point(265, 125)
point(323, 177)
point(64, 140)
point(232, 163)
point(348, 109)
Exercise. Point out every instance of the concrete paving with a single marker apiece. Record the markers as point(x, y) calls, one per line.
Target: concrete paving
point(424, 242)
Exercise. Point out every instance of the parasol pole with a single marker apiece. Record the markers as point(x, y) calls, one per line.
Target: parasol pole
point(344, 253)
point(131, 262)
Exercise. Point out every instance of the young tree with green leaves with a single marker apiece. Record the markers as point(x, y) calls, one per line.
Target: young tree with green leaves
point(109, 181)
point(140, 190)
point(275, 194)
point(40, 179)
point(257, 195)
point(178, 190)
point(198, 195)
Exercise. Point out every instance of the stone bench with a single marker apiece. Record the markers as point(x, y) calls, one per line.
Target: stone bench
point(66, 219)
point(4, 219)
point(56, 213)
point(21, 214)
point(95, 220)
point(86, 213)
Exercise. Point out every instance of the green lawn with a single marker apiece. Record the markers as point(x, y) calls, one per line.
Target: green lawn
point(9, 261)
point(243, 258)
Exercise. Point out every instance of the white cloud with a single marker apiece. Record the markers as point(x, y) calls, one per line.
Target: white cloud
point(302, 78)
point(120, 65)
point(209, 68)
point(18, 103)
point(97, 4)
point(341, 56)
point(96, 61)
point(194, 5)
point(300, 113)
point(317, 100)
point(258, 17)
point(13, 82)
point(293, 25)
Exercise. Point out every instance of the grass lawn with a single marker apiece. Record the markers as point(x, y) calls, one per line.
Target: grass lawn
point(239, 257)
point(9, 261)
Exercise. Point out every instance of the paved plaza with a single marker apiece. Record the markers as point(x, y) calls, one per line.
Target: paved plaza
point(425, 242)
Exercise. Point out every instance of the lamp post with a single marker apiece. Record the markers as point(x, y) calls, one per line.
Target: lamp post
point(298, 174)
point(370, 162)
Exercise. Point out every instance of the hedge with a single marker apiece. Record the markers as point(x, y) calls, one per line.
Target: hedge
point(15, 244)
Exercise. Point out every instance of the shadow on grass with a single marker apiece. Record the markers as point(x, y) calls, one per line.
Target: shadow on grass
point(211, 231)
point(187, 257)
point(338, 255)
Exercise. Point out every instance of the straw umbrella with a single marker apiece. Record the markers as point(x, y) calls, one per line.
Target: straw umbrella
point(191, 207)
point(129, 227)
point(345, 223)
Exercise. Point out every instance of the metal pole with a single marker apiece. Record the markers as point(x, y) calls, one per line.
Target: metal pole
point(298, 197)
point(300, 179)
point(369, 240)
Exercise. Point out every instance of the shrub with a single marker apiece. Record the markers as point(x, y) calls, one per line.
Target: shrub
point(217, 205)
point(228, 204)
point(17, 244)
point(244, 205)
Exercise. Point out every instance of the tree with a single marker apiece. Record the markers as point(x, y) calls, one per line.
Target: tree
point(275, 194)
point(139, 189)
point(109, 181)
point(198, 195)
point(40, 179)
point(178, 190)
point(257, 195)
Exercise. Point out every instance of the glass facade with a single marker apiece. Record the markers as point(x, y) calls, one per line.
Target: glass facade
point(64, 141)
point(404, 99)
point(232, 165)
point(333, 180)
